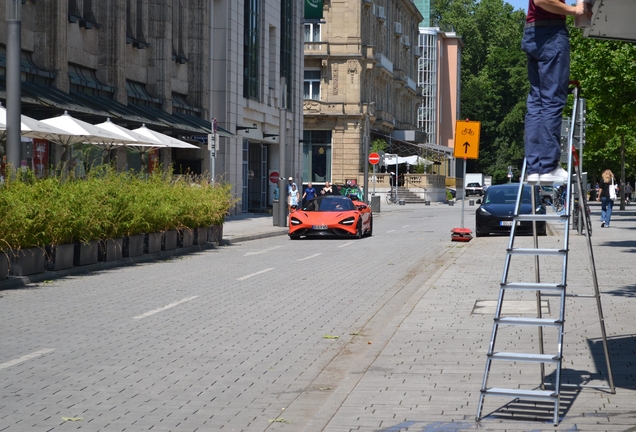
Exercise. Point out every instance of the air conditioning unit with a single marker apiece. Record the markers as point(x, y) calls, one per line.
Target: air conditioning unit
point(417, 51)
point(397, 28)
point(379, 13)
point(406, 41)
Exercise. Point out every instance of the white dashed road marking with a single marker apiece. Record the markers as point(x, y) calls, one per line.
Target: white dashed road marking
point(255, 274)
point(161, 309)
point(390, 231)
point(346, 244)
point(262, 251)
point(310, 257)
point(25, 358)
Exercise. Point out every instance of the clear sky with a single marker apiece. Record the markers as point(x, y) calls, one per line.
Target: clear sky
point(519, 4)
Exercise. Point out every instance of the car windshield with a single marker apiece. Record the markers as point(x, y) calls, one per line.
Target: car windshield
point(473, 184)
point(506, 195)
point(330, 203)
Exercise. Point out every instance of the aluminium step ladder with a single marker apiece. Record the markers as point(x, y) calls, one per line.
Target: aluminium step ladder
point(544, 391)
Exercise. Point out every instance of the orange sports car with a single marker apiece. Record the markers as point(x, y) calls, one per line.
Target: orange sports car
point(331, 215)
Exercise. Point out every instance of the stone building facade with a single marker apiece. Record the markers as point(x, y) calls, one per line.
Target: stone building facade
point(359, 83)
point(173, 65)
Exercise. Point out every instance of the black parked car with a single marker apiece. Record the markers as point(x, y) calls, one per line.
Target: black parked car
point(494, 215)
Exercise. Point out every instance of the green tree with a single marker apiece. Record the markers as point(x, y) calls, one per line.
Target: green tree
point(607, 73)
point(493, 78)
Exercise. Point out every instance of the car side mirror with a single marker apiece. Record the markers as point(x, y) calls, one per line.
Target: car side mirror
point(362, 207)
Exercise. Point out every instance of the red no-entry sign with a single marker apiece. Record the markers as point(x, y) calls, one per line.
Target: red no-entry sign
point(273, 177)
point(374, 158)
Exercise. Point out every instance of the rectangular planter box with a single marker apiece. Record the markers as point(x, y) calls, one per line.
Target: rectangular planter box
point(186, 238)
point(200, 236)
point(86, 253)
point(60, 257)
point(25, 262)
point(152, 243)
point(169, 240)
point(133, 246)
point(111, 249)
point(4, 265)
point(217, 233)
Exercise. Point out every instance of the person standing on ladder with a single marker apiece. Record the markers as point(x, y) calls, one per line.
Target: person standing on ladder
point(547, 44)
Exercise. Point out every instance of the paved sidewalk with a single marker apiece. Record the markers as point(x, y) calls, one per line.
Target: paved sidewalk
point(429, 375)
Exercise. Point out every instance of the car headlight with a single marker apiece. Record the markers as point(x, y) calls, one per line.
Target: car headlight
point(483, 211)
point(295, 221)
point(348, 221)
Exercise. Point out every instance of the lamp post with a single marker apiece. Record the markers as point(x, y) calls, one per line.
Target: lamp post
point(14, 111)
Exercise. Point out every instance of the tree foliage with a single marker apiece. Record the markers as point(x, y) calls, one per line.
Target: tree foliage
point(607, 73)
point(493, 77)
point(494, 86)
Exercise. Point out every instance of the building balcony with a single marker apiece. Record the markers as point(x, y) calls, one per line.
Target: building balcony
point(383, 62)
point(410, 83)
point(317, 49)
point(399, 75)
point(313, 107)
point(384, 117)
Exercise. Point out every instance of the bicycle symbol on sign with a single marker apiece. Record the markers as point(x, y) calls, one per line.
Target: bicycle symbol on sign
point(468, 131)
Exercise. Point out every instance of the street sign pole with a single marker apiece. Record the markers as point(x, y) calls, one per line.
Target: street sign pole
point(466, 147)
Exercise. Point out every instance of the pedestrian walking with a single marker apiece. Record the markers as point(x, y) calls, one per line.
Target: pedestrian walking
point(607, 185)
point(310, 193)
point(293, 198)
point(546, 43)
point(628, 193)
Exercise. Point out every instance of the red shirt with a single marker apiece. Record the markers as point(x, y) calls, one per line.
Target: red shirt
point(535, 13)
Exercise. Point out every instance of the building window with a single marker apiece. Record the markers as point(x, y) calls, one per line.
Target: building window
point(286, 47)
point(427, 80)
point(312, 84)
point(251, 49)
point(138, 95)
point(82, 11)
point(178, 52)
point(312, 33)
point(83, 80)
point(135, 24)
point(317, 156)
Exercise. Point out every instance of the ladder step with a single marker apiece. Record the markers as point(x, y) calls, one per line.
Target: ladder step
point(542, 322)
point(533, 251)
point(523, 357)
point(532, 286)
point(539, 395)
point(541, 217)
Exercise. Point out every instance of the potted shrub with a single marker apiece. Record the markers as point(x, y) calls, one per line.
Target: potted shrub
point(21, 224)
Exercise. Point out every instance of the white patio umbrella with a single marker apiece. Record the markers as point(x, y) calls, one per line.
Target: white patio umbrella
point(167, 140)
point(78, 132)
point(29, 127)
point(137, 142)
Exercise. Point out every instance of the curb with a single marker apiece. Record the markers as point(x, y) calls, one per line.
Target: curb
point(13, 282)
point(248, 237)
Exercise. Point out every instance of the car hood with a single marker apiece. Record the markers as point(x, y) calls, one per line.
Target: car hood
point(506, 210)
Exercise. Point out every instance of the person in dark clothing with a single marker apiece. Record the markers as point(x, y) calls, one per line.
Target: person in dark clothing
point(547, 45)
point(329, 189)
point(607, 187)
point(310, 193)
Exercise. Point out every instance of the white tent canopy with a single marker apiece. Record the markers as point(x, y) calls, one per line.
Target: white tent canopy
point(163, 139)
point(77, 131)
point(411, 160)
point(29, 127)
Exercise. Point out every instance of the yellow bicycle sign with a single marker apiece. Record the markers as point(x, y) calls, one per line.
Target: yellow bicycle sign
point(467, 139)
